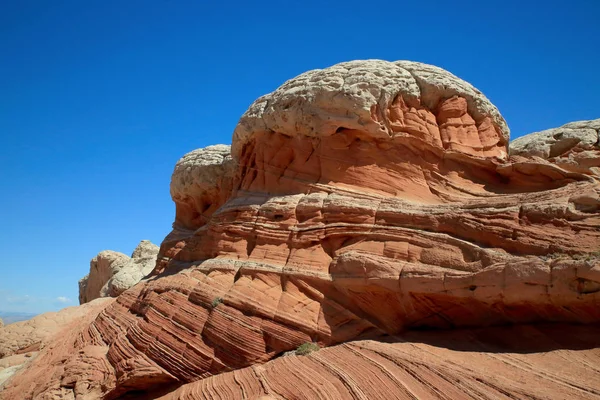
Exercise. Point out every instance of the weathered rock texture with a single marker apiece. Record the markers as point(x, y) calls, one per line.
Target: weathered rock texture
point(32, 335)
point(359, 202)
point(523, 362)
point(111, 272)
point(20, 342)
point(574, 146)
point(379, 100)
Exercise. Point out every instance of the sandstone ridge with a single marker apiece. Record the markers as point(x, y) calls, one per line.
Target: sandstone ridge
point(357, 203)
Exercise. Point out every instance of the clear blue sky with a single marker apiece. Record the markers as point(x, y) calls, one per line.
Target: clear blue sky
point(98, 100)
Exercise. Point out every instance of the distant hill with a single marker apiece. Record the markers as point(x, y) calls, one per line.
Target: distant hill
point(10, 317)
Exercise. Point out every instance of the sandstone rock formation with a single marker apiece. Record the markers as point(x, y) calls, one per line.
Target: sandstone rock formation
point(359, 202)
point(33, 334)
point(20, 342)
point(111, 272)
point(574, 146)
point(1, 323)
point(200, 184)
point(520, 362)
point(378, 100)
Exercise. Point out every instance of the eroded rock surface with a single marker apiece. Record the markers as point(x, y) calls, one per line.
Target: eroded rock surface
point(111, 272)
point(359, 202)
point(200, 184)
point(521, 362)
point(380, 100)
point(33, 334)
point(51, 334)
point(574, 146)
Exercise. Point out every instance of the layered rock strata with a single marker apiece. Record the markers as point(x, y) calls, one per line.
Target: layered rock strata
point(111, 272)
point(521, 362)
point(31, 335)
point(21, 342)
point(358, 202)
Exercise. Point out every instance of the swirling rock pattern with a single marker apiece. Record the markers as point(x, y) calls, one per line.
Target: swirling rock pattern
point(359, 202)
point(21, 341)
point(520, 362)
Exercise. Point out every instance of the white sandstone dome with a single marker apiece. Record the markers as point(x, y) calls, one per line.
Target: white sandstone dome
point(320, 102)
point(200, 170)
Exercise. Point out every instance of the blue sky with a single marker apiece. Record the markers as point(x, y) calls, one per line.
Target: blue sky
point(99, 99)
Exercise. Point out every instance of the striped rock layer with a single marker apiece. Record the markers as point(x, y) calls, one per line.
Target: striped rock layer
point(357, 203)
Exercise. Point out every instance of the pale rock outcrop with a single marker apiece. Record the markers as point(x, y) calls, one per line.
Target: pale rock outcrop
point(111, 272)
point(12, 364)
point(1, 323)
point(16, 359)
point(408, 215)
point(381, 100)
point(102, 268)
point(574, 146)
point(8, 372)
point(201, 183)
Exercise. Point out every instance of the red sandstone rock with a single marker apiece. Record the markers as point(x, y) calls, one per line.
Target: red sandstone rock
point(21, 341)
point(521, 362)
point(359, 202)
point(31, 335)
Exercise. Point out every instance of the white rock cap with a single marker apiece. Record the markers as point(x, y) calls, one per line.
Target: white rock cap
point(556, 141)
point(201, 168)
point(318, 102)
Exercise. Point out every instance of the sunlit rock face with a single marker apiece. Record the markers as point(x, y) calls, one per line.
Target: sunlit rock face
point(112, 272)
point(21, 342)
point(484, 363)
point(379, 100)
point(363, 200)
point(574, 146)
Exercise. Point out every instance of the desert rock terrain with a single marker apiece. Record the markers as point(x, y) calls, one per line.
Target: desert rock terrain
point(377, 210)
